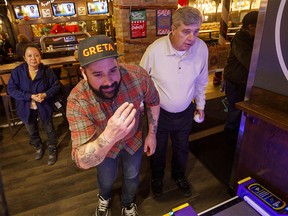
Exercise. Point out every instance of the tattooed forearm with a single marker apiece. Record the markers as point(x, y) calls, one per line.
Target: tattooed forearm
point(93, 153)
point(95, 160)
point(102, 142)
point(154, 129)
point(87, 153)
point(151, 120)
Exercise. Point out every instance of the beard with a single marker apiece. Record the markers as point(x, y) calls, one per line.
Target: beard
point(106, 95)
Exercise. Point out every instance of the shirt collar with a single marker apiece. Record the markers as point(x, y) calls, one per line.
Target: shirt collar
point(169, 48)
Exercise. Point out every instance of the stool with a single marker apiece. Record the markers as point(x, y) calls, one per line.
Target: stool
point(9, 104)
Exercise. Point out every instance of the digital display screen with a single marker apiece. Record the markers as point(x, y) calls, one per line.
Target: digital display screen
point(97, 8)
point(31, 10)
point(63, 9)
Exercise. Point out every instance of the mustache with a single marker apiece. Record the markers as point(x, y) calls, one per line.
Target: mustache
point(111, 86)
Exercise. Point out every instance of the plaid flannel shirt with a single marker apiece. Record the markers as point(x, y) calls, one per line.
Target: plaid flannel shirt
point(88, 114)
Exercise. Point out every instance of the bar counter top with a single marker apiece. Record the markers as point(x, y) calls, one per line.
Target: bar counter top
point(7, 68)
point(267, 106)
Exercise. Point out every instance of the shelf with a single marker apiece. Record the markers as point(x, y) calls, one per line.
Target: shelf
point(266, 106)
point(265, 113)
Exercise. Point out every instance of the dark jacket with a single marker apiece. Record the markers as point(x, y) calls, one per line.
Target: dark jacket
point(21, 87)
point(237, 66)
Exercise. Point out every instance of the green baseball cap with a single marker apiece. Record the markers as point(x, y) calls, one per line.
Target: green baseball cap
point(96, 48)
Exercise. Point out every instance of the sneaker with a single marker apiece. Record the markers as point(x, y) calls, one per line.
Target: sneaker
point(103, 208)
point(183, 186)
point(52, 156)
point(157, 187)
point(39, 152)
point(130, 211)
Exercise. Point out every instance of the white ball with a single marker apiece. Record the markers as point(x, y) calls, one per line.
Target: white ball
point(197, 118)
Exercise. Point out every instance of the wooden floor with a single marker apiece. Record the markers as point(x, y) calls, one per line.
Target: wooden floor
point(34, 188)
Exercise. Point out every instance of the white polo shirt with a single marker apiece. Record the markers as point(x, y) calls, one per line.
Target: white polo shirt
point(178, 79)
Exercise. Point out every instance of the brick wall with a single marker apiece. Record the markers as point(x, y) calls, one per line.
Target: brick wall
point(133, 49)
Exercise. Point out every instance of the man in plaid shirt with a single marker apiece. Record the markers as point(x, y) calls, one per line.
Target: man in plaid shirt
point(104, 114)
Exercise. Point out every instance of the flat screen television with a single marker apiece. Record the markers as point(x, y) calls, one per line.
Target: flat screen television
point(63, 9)
point(97, 7)
point(30, 10)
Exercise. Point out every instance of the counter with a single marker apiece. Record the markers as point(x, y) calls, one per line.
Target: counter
point(7, 68)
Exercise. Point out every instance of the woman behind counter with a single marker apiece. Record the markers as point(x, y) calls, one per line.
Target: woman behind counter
point(23, 41)
point(33, 85)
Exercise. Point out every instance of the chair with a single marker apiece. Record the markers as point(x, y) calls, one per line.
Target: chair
point(70, 76)
point(9, 104)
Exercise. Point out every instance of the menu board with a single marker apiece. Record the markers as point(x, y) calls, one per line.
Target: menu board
point(164, 21)
point(138, 23)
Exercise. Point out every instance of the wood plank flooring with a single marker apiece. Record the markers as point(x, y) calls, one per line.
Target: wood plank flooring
point(34, 188)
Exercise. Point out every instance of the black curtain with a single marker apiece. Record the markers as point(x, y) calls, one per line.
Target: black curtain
point(7, 26)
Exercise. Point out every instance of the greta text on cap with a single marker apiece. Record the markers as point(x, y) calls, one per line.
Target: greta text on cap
point(98, 49)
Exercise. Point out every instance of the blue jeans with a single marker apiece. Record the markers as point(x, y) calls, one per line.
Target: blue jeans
point(178, 126)
point(107, 172)
point(33, 130)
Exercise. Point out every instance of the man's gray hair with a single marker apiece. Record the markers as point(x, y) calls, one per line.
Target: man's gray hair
point(187, 15)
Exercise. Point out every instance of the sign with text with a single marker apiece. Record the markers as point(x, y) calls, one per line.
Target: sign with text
point(138, 23)
point(163, 21)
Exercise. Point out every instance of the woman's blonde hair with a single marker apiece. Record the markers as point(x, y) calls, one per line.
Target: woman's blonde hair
point(22, 38)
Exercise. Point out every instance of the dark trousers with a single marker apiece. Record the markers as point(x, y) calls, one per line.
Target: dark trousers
point(178, 126)
point(107, 172)
point(33, 130)
point(235, 93)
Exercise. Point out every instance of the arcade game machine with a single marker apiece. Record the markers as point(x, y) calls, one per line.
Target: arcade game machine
point(252, 200)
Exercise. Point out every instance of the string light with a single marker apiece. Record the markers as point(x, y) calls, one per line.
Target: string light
point(6, 2)
point(45, 4)
point(102, 0)
point(51, 1)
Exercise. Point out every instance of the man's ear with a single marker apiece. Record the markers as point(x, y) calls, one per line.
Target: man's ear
point(251, 26)
point(83, 73)
point(251, 30)
point(173, 28)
